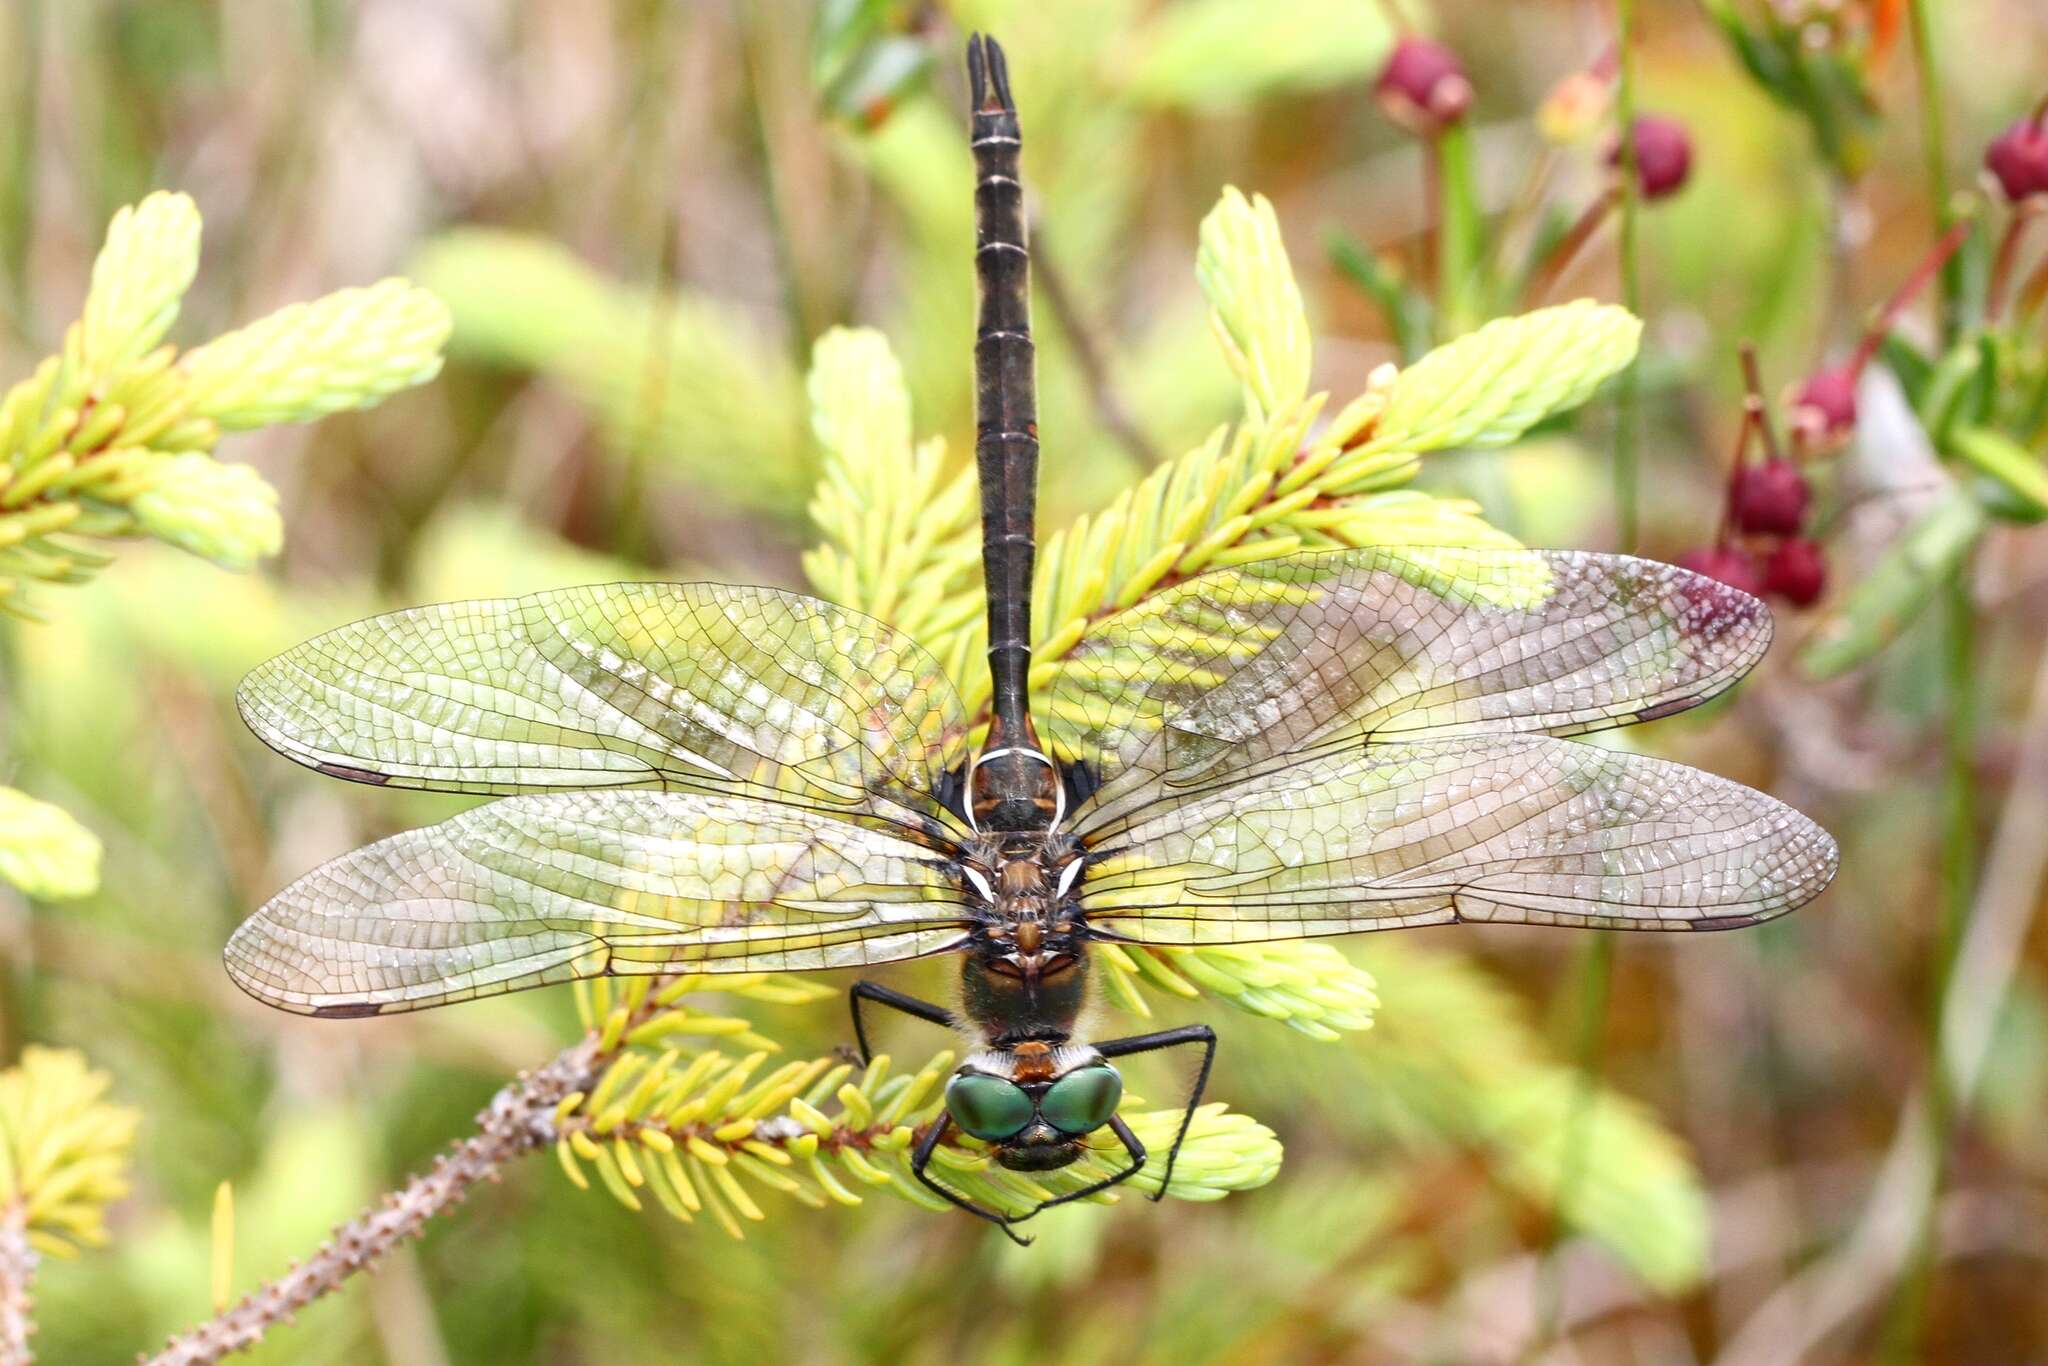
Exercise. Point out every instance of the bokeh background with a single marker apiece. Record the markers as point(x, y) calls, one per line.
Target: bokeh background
point(641, 215)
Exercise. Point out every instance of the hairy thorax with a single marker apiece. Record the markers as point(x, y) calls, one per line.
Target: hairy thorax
point(1025, 977)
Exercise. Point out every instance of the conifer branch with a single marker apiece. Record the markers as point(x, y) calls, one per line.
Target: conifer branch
point(519, 1120)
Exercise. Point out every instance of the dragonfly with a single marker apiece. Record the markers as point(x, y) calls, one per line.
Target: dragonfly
point(708, 778)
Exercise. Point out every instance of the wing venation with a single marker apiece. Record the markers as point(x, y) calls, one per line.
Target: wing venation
point(701, 687)
point(553, 887)
point(1244, 666)
point(1521, 829)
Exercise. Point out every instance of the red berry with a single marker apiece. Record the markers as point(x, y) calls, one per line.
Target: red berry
point(1422, 87)
point(1663, 155)
point(1796, 571)
point(1726, 565)
point(1769, 498)
point(2018, 158)
point(1824, 407)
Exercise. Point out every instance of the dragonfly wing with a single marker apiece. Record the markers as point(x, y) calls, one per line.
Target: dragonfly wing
point(1524, 829)
point(1272, 659)
point(557, 886)
point(701, 687)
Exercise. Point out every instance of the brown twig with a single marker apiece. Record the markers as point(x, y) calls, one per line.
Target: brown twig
point(1753, 401)
point(1887, 316)
point(18, 1261)
point(1569, 246)
point(2032, 293)
point(2024, 213)
point(1066, 309)
point(519, 1120)
point(1753, 417)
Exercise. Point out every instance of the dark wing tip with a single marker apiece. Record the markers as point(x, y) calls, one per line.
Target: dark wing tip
point(354, 1010)
point(1710, 609)
point(1729, 922)
point(988, 76)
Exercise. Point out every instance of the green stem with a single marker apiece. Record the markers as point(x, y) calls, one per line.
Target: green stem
point(1597, 960)
point(1934, 148)
point(1628, 416)
point(1906, 1322)
point(1458, 237)
point(15, 968)
point(1902, 1337)
point(18, 169)
point(1595, 982)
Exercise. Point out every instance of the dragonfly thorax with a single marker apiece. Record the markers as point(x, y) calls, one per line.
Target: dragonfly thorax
point(1024, 977)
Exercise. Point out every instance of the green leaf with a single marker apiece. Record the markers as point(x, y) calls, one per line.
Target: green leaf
point(1898, 587)
point(351, 349)
point(860, 409)
point(63, 1149)
point(1488, 388)
point(1453, 1060)
point(1766, 64)
point(1909, 364)
point(1308, 986)
point(1406, 308)
point(2018, 485)
point(138, 279)
point(1605, 1165)
point(1958, 390)
point(43, 851)
point(1408, 517)
point(226, 513)
point(1255, 304)
point(677, 376)
point(901, 538)
point(697, 1131)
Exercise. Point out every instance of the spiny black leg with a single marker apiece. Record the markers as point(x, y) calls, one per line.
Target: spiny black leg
point(895, 1000)
point(1131, 1145)
point(922, 1158)
point(1171, 1038)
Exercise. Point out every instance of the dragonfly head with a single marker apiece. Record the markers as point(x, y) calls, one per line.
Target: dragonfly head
point(1034, 1104)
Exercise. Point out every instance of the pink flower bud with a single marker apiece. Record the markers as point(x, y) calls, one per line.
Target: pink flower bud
point(1797, 571)
point(1422, 87)
point(1725, 565)
point(1663, 155)
point(1824, 406)
point(1769, 498)
point(2018, 159)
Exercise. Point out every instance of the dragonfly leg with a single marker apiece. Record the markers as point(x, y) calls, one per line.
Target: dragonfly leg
point(895, 1000)
point(922, 1158)
point(1131, 1145)
point(1171, 1038)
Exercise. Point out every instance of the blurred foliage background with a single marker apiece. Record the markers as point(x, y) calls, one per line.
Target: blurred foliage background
point(641, 215)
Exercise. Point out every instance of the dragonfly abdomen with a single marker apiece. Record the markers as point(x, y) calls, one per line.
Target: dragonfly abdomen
point(1006, 404)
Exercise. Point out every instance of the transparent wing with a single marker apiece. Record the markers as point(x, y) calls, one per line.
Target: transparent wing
point(557, 886)
point(1525, 829)
point(1280, 657)
point(697, 686)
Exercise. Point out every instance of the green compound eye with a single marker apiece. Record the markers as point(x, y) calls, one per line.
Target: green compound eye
point(1082, 1101)
point(990, 1108)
